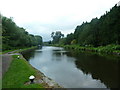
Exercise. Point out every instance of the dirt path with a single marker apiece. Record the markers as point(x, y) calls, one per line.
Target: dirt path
point(6, 60)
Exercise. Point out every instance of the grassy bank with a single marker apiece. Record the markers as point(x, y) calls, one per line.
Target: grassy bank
point(109, 49)
point(26, 49)
point(18, 74)
point(19, 50)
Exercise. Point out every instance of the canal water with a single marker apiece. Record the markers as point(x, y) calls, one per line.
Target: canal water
point(72, 69)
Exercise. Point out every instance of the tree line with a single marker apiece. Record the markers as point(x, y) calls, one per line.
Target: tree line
point(97, 32)
point(14, 37)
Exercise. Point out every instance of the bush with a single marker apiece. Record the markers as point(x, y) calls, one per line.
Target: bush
point(6, 47)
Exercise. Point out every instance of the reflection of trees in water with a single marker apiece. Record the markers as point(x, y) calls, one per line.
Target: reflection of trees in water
point(57, 56)
point(59, 53)
point(76, 53)
point(100, 68)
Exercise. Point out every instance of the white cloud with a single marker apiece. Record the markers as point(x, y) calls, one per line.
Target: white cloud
point(44, 16)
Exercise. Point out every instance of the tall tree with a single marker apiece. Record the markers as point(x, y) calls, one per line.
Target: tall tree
point(56, 36)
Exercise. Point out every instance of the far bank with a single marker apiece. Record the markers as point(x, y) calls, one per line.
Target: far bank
point(109, 49)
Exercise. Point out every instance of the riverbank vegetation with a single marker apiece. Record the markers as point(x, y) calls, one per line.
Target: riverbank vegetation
point(19, 50)
point(18, 74)
point(99, 35)
point(109, 49)
point(15, 37)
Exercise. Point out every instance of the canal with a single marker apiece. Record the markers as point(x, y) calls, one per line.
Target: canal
point(72, 69)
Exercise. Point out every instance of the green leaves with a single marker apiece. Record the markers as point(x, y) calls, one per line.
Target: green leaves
point(15, 37)
point(56, 36)
point(98, 32)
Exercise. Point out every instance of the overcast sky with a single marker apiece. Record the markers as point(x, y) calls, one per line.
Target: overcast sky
point(41, 17)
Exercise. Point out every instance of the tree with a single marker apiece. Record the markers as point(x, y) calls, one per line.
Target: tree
point(102, 31)
point(14, 36)
point(69, 38)
point(56, 36)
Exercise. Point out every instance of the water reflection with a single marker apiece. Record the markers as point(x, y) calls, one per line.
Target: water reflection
point(75, 70)
point(99, 67)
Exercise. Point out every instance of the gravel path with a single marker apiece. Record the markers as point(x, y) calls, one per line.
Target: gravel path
point(6, 60)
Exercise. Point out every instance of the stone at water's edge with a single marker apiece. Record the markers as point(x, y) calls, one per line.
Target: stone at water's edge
point(51, 82)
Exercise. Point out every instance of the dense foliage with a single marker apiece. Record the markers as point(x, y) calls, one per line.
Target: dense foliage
point(16, 37)
point(98, 32)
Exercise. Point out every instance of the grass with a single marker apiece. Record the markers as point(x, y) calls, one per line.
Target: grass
point(6, 51)
point(24, 49)
point(0, 83)
point(109, 49)
point(18, 74)
point(18, 50)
